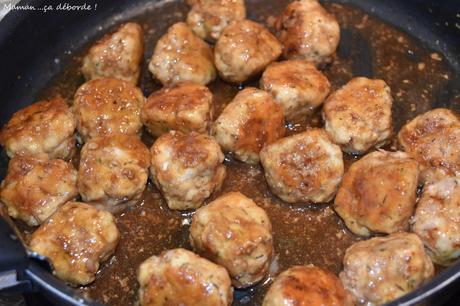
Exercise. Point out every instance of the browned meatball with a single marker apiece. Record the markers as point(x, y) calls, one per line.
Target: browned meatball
point(378, 193)
point(76, 239)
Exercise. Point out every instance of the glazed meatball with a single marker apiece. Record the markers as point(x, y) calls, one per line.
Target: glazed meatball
point(248, 123)
point(35, 187)
point(234, 232)
point(185, 107)
point(243, 51)
point(181, 56)
point(113, 171)
point(297, 85)
point(437, 220)
point(378, 193)
point(307, 31)
point(180, 277)
point(381, 269)
point(307, 285)
point(76, 239)
point(186, 168)
point(305, 167)
point(208, 18)
point(44, 128)
point(108, 106)
point(433, 139)
point(358, 115)
point(116, 55)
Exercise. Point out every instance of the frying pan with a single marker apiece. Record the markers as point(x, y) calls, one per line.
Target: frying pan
point(37, 47)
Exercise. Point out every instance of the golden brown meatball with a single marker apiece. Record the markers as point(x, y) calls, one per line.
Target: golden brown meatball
point(44, 128)
point(305, 167)
point(108, 106)
point(243, 50)
point(117, 55)
point(35, 187)
point(208, 18)
point(181, 56)
point(234, 232)
point(185, 107)
point(437, 220)
point(433, 139)
point(358, 115)
point(381, 269)
point(113, 171)
point(180, 277)
point(307, 31)
point(378, 193)
point(307, 286)
point(76, 239)
point(248, 123)
point(187, 168)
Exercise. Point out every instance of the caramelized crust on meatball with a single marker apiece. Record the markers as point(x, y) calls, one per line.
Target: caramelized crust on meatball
point(76, 239)
point(234, 232)
point(187, 168)
point(44, 128)
point(248, 123)
point(180, 277)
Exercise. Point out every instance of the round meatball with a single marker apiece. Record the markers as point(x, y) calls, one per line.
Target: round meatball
point(181, 56)
point(358, 115)
point(297, 85)
point(234, 232)
point(305, 167)
point(243, 51)
point(113, 171)
point(186, 168)
point(116, 55)
point(248, 123)
point(378, 193)
point(307, 31)
point(180, 277)
point(307, 285)
point(44, 128)
point(437, 220)
point(381, 269)
point(185, 107)
point(35, 187)
point(208, 18)
point(108, 106)
point(433, 139)
point(76, 239)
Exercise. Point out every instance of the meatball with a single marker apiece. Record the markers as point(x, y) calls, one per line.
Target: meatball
point(181, 56)
point(113, 171)
point(108, 106)
point(358, 115)
point(180, 277)
point(378, 193)
point(116, 55)
point(44, 128)
point(437, 220)
point(381, 269)
point(297, 85)
point(305, 167)
point(234, 232)
point(243, 51)
point(76, 239)
point(307, 285)
point(35, 187)
point(185, 107)
point(248, 123)
point(307, 31)
point(186, 168)
point(208, 18)
point(433, 139)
